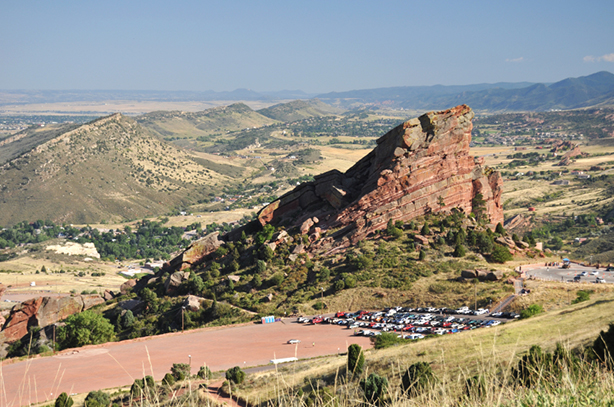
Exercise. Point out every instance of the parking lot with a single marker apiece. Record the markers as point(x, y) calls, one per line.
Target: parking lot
point(413, 323)
point(557, 273)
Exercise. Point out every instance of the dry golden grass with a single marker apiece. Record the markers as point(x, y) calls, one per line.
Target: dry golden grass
point(452, 357)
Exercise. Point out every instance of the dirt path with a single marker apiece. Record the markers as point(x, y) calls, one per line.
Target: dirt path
point(214, 393)
point(120, 363)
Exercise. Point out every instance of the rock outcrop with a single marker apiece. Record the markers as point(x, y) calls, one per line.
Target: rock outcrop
point(196, 252)
point(43, 311)
point(422, 166)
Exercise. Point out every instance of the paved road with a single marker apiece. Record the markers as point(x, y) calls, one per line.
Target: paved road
point(557, 273)
point(119, 363)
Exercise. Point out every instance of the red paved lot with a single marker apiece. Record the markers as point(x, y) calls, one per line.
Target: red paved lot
point(118, 364)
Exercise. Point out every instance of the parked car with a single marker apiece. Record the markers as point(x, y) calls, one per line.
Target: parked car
point(599, 280)
point(294, 341)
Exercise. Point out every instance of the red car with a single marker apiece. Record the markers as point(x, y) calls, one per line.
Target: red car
point(316, 320)
point(340, 314)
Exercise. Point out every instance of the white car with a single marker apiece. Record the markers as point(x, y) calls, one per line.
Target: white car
point(594, 273)
point(414, 336)
point(481, 311)
point(294, 341)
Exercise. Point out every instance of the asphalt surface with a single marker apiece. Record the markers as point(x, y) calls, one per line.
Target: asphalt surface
point(557, 273)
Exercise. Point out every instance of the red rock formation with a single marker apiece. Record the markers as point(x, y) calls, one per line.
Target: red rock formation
point(196, 252)
point(43, 311)
point(422, 166)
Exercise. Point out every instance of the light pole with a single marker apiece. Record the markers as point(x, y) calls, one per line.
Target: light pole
point(182, 324)
point(190, 357)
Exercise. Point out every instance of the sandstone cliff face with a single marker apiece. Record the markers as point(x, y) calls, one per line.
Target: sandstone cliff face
point(422, 166)
point(43, 311)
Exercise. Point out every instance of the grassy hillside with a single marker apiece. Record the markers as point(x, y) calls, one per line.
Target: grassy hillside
point(298, 110)
point(108, 169)
point(490, 353)
point(187, 125)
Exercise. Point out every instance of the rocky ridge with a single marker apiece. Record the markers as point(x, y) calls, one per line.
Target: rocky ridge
point(422, 166)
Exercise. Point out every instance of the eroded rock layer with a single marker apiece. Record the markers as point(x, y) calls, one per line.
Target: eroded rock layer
point(42, 311)
point(422, 166)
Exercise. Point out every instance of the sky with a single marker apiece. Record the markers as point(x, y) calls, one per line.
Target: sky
point(316, 46)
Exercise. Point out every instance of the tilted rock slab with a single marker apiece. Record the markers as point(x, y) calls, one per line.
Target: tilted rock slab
point(43, 311)
point(422, 166)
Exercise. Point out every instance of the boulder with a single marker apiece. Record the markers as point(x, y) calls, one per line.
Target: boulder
point(306, 226)
point(108, 295)
point(522, 245)
point(268, 297)
point(192, 303)
point(280, 237)
point(506, 241)
point(133, 305)
point(127, 286)
point(298, 249)
point(494, 276)
point(174, 281)
point(272, 245)
point(422, 240)
point(468, 274)
point(196, 252)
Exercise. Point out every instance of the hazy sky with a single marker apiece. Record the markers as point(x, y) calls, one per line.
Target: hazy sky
point(316, 46)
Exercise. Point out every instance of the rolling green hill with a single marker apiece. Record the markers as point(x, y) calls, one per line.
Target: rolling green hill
point(218, 120)
point(299, 110)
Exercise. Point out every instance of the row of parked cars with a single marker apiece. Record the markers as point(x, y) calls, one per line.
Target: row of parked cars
point(413, 323)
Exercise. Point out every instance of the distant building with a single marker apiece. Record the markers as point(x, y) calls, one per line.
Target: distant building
point(561, 182)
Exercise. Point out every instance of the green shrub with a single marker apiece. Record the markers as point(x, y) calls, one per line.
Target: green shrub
point(85, 328)
point(500, 230)
point(500, 254)
point(374, 388)
point(180, 371)
point(168, 380)
point(277, 279)
point(425, 230)
point(475, 387)
point(261, 266)
point(349, 282)
point(582, 295)
point(422, 255)
point(97, 398)
point(356, 359)
point(531, 310)
point(127, 319)
point(387, 339)
point(459, 250)
point(417, 378)
point(204, 372)
point(533, 367)
point(235, 374)
point(603, 347)
point(64, 400)
point(265, 234)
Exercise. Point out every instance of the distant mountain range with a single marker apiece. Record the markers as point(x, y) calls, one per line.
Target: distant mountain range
point(593, 90)
point(571, 93)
